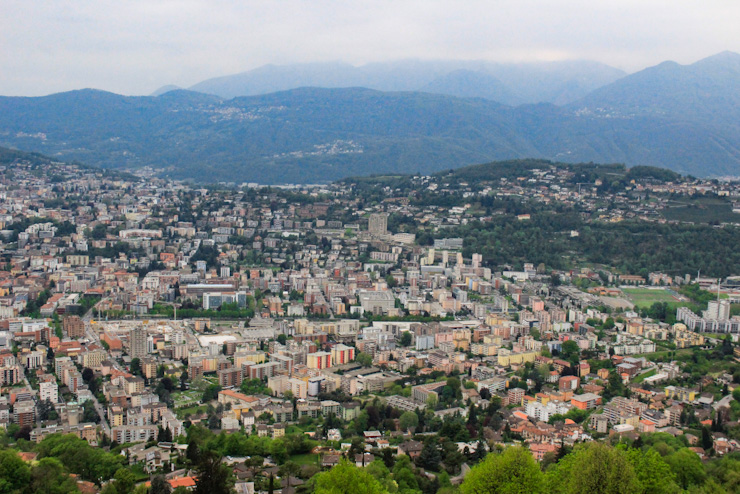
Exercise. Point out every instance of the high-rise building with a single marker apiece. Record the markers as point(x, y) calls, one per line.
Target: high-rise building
point(74, 326)
point(378, 224)
point(718, 310)
point(137, 340)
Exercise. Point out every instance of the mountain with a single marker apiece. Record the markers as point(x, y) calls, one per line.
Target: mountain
point(472, 84)
point(553, 82)
point(684, 118)
point(165, 89)
point(8, 157)
point(707, 91)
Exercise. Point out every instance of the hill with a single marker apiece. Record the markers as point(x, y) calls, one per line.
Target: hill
point(310, 135)
point(707, 91)
point(552, 82)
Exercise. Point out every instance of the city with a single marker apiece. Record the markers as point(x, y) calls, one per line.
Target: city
point(150, 326)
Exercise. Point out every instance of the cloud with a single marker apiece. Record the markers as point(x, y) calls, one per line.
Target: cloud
point(135, 46)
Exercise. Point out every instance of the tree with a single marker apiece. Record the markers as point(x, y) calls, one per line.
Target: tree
point(594, 468)
point(87, 374)
point(364, 359)
point(48, 476)
point(213, 477)
point(192, 453)
point(346, 478)
point(210, 393)
point(688, 468)
point(160, 485)
point(279, 452)
point(136, 366)
point(405, 339)
point(652, 471)
point(706, 439)
point(409, 420)
point(512, 472)
point(430, 456)
point(14, 473)
point(123, 482)
point(570, 351)
point(46, 410)
point(290, 469)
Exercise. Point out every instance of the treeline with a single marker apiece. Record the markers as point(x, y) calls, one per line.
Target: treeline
point(661, 465)
point(630, 247)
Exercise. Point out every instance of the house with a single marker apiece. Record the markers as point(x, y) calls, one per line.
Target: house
point(330, 460)
point(412, 449)
point(372, 436)
point(186, 482)
point(364, 459)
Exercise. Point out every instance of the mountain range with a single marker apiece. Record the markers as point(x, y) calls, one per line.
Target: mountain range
point(681, 117)
point(510, 84)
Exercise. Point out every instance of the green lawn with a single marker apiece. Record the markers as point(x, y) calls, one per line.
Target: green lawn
point(642, 377)
point(306, 459)
point(701, 210)
point(191, 410)
point(645, 297)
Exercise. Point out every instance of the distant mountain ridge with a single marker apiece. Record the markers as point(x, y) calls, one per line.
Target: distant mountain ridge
point(512, 84)
point(684, 118)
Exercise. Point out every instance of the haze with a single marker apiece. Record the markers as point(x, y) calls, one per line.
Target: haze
point(134, 47)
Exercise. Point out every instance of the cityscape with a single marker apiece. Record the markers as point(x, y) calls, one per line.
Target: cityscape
point(291, 329)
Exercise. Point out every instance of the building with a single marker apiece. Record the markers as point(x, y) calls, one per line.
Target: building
point(586, 401)
point(48, 390)
point(214, 300)
point(342, 354)
point(229, 378)
point(74, 326)
point(137, 343)
point(378, 224)
point(319, 360)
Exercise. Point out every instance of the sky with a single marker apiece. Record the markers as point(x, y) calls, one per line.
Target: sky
point(136, 46)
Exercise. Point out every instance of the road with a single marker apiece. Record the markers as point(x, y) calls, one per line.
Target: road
point(725, 401)
point(93, 338)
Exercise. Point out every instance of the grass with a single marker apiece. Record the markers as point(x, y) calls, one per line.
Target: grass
point(679, 353)
point(701, 210)
point(645, 297)
point(644, 376)
point(191, 410)
point(306, 459)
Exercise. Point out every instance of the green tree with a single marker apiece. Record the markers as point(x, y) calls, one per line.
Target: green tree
point(14, 473)
point(346, 478)
point(408, 420)
point(213, 477)
point(594, 468)
point(136, 366)
point(48, 476)
point(652, 471)
point(512, 472)
point(570, 351)
point(405, 339)
point(430, 455)
point(160, 485)
point(688, 468)
point(364, 359)
point(123, 482)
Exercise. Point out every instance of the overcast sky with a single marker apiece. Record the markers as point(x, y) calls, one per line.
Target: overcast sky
point(136, 46)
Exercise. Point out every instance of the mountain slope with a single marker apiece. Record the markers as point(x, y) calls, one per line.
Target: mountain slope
point(682, 118)
point(708, 91)
point(554, 82)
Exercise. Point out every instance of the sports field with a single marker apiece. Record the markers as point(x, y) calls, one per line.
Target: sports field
point(645, 297)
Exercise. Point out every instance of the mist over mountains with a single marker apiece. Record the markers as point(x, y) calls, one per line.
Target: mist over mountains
point(428, 117)
point(511, 84)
